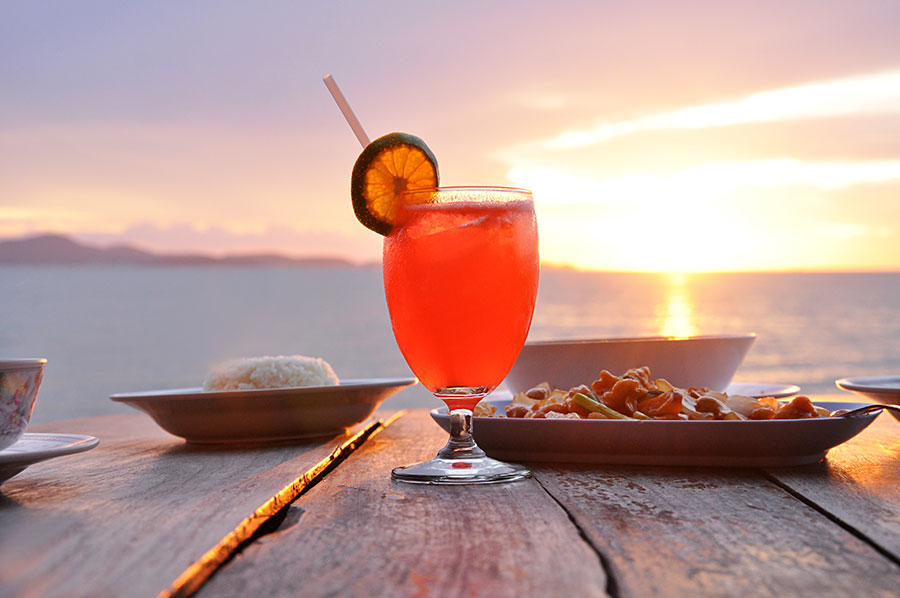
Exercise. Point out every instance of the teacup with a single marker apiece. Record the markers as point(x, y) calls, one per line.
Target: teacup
point(19, 383)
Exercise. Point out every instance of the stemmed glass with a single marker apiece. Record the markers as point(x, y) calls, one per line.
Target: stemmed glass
point(461, 272)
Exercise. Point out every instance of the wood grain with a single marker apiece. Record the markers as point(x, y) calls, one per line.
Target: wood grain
point(858, 484)
point(130, 516)
point(360, 534)
point(691, 532)
point(127, 518)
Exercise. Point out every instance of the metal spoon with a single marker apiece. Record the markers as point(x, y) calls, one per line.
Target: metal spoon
point(864, 410)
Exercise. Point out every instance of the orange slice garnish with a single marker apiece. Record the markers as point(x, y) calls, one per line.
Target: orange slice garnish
point(389, 166)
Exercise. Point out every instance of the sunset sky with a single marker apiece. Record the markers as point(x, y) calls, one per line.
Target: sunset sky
point(656, 136)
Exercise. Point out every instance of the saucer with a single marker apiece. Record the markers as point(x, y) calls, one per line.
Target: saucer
point(32, 448)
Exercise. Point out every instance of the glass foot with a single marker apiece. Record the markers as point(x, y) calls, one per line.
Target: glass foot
point(476, 470)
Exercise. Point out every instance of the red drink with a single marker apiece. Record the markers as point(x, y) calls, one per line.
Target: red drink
point(461, 280)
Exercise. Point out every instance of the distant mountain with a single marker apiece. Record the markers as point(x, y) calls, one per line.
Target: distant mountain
point(59, 249)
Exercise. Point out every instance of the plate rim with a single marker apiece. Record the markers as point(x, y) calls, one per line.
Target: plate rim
point(863, 384)
point(197, 392)
point(436, 412)
point(78, 443)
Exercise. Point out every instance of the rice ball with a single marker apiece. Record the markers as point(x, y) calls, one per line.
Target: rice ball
point(270, 372)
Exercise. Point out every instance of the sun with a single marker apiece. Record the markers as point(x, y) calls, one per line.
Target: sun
point(645, 223)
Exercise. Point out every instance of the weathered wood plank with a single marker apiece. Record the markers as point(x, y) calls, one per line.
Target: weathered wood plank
point(128, 517)
point(858, 484)
point(360, 534)
point(691, 532)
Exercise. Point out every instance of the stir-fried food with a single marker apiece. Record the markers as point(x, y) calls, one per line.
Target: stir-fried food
point(635, 395)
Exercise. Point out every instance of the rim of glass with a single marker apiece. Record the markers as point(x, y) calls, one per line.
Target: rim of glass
point(470, 188)
point(22, 363)
point(459, 193)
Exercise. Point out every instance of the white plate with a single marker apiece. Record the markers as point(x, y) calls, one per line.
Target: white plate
point(881, 389)
point(772, 443)
point(263, 414)
point(31, 448)
point(751, 389)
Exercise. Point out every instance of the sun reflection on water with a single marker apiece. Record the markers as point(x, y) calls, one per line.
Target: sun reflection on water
point(677, 317)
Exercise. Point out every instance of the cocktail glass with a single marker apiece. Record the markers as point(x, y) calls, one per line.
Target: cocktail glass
point(461, 272)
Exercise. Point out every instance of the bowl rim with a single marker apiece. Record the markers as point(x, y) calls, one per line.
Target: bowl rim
point(22, 363)
point(634, 339)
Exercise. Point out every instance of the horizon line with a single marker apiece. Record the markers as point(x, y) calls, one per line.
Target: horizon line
point(555, 265)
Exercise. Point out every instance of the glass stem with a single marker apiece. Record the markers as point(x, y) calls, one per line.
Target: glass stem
point(461, 444)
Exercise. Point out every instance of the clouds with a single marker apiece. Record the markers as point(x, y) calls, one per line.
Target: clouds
point(713, 180)
point(877, 94)
point(702, 188)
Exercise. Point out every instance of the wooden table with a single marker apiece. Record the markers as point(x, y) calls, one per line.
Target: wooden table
point(145, 514)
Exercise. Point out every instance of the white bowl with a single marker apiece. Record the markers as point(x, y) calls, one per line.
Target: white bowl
point(19, 383)
point(709, 361)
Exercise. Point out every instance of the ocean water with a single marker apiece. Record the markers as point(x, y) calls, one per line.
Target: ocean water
point(118, 329)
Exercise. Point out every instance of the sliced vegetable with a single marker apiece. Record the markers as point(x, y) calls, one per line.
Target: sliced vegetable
point(592, 405)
